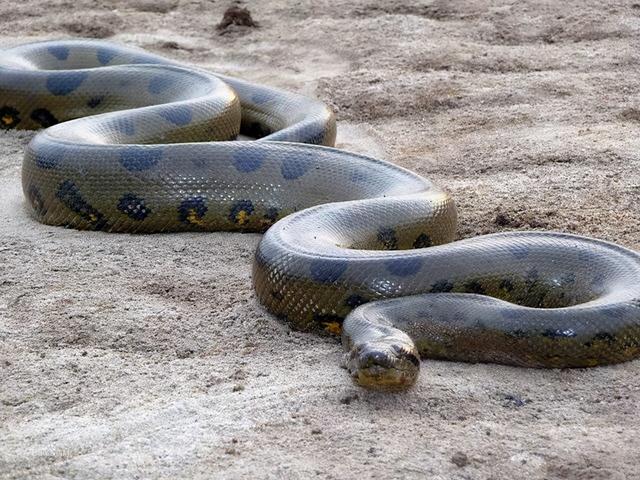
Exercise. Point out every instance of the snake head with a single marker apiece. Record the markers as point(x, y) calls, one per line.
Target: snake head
point(384, 364)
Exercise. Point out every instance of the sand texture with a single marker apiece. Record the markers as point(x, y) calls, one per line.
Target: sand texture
point(149, 357)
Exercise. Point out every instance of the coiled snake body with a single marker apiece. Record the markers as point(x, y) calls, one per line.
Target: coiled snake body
point(343, 229)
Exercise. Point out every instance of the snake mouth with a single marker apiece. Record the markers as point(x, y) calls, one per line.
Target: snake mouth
point(384, 365)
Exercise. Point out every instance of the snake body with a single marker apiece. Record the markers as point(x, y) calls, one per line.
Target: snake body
point(129, 148)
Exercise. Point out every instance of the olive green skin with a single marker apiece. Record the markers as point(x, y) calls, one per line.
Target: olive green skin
point(146, 147)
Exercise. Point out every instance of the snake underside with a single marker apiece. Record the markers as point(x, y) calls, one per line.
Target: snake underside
point(135, 142)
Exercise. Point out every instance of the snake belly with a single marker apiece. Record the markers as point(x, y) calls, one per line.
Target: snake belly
point(134, 142)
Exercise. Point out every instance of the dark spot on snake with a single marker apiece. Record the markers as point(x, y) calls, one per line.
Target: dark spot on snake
point(295, 167)
point(58, 51)
point(179, 115)
point(261, 96)
point(160, 83)
point(199, 162)
point(277, 295)
point(387, 237)
point(36, 200)
point(148, 59)
point(442, 286)
point(248, 160)
point(240, 212)
point(49, 157)
point(474, 286)
point(355, 300)
point(517, 333)
point(519, 251)
point(558, 333)
point(272, 214)
point(93, 102)
point(63, 83)
point(403, 267)
point(9, 117)
point(358, 176)
point(133, 206)
point(327, 270)
point(124, 125)
point(532, 275)
point(69, 194)
point(601, 337)
point(139, 158)
point(192, 210)
point(422, 241)
point(105, 55)
point(507, 284)
point(43, 117)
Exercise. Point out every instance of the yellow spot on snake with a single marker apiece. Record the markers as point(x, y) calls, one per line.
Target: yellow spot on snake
point(592, 362)
point(93, 217)
point(7, 119)
point(242, 217)
point(334, 328)
point(194, 218)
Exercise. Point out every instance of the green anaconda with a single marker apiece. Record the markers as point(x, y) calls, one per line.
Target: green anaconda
point(135, 142)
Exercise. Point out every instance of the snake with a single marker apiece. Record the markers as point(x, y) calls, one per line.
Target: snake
point(134, 142)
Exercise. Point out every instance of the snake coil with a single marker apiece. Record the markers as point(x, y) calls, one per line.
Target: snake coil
point(129, 147)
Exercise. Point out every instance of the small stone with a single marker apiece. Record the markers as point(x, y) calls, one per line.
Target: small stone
point(460, 459)
point(514, 401)
point(184, 353)
point(346, 400)
point(13, 402)
point(503, 219)
point(236, 16)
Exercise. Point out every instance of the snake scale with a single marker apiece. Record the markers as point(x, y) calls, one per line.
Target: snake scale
point(134, 142)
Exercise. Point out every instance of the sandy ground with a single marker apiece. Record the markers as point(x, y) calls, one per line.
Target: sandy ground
point(149, 357)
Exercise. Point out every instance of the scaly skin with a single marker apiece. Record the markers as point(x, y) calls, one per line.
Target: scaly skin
point(145, 147)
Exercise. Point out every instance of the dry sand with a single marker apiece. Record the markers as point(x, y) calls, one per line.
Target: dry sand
point(149, 357)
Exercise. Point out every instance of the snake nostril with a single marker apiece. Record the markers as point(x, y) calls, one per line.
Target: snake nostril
point(413, 359)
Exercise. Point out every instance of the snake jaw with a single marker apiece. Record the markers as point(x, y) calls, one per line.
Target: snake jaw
point(384, 364)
